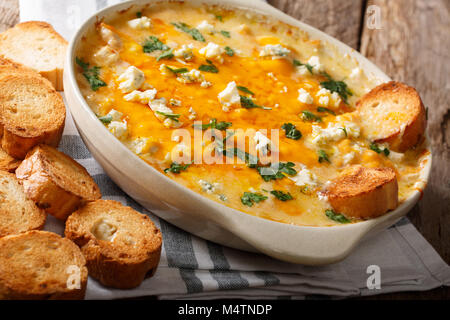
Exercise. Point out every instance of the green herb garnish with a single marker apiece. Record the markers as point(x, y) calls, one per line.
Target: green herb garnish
point(174, 117)
point(277, 171)
point(229, 51)
point(176, 168)
point(376, 148)
point(177, 71)
point(219, 17)
point(345, 131)
point(154, 44)
point(280, 195)
point(106, 119)
point(291, 131)
point(139, 14)
point(196, 35)
point(323, 156)
point(248, 199)
point(91, 74)
point(323, 109)
point(248, 103)
point(299, 64)
point(336, 86)
point(246, 90)
point(166, 55)
point(226, 34)
point(210, 67)
point(309, 116)
point(331, 214)
point(213, 124)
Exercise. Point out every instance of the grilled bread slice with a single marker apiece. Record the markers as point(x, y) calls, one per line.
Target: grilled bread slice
point(17, 213)
point(122, 247)
point(31, 112)
point(363, 193)
point(8, 163)
point(37, 45)
point(394, 113)
point(41, 265)
point(56, 182)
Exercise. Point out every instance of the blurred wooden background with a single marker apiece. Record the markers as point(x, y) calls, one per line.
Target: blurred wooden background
point(411, 44)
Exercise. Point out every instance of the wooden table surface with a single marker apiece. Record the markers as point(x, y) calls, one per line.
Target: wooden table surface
point(411, 44)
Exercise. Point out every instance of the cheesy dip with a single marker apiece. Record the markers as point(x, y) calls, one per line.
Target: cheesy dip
point(163, 76)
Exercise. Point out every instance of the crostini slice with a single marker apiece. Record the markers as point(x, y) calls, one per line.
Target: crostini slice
point(394, 113)
point(41, 265)
point(363, 193)
point(31, 112)
point(122, 246)
point(17, 213)
point(56, 182)
point(8, 163)
point(38, 46)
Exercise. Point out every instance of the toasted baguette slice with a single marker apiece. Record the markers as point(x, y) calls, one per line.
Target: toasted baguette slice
point(363, 193)
point(17, 213)
point(37, 45)
point(394, 113)
point(122, 247)
point(31, 112)
point(56, 182)
point(8, 163)
point(41, 265)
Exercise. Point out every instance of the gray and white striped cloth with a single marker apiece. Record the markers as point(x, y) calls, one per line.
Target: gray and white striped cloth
point(192, 268)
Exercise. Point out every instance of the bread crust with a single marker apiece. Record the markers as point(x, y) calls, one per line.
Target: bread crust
point(15, 41)
point(128, 255)
point(27, 121)
point(8, 163)
point(363, 193)
point(35, 266)
point(17, 213)
point(401, 111)
point(56, 182)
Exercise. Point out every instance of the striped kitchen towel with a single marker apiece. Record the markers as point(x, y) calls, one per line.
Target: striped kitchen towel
point(192, 268)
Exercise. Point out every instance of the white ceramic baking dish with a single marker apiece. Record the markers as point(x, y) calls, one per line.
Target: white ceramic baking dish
point(203, 217)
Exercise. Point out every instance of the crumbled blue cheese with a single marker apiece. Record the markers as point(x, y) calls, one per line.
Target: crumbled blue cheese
point(230, 95)
point(348, 158)
point(143, 97)
point(396, 156)
point(119, 129)
point(262, 142)
point(275, 51)
point(115, 115)
point(191, 77)
point(209, 188)
point(212, 51)
point(159, 105)
point(192, 114)
point(106, 56)
point(140, 145)
point(304, 96)
point(175, 102)
point(334, 132)
point(304, 178)
point(140, 23)
point(326, 97)
point(205, 27)
point(314, 61)
point(205, 84)
point(184, 52)
point(111, 38)
point(132, 79)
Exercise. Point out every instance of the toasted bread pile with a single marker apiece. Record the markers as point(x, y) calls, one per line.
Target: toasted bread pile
point(36, 179)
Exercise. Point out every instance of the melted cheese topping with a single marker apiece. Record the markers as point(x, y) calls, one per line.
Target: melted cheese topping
point(147, 96)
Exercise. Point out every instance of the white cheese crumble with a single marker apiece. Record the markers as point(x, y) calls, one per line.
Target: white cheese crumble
point(334, 132)
point(159, 105)
point(356, 74)
point(191, 77)
point(262, 142)
point(132, 79)
point(118, 129)
point(209, 187)
point(140, 23)
point(304, 178)
point(175, 102)
point(115, 115)
point(140, 145)
point(275, 51)
point(184, 52)
point(192, 114)
point(347, 158)
point(314, 61)
point(205, 84)
point(212, 51)
point(396, 156)
point(230, 95)
point(111, 38)
point(141, 96)
point(205, 27)
point(304, 96)
point(106, 56)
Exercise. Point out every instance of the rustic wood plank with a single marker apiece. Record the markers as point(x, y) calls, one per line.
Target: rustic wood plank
point(9, 14)
point(339, 18)
point(414, 46)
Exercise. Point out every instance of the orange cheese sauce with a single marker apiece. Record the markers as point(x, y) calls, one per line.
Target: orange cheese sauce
point(274, 81)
